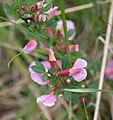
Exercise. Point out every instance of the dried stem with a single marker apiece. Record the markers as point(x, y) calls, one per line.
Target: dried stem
point(105, 52)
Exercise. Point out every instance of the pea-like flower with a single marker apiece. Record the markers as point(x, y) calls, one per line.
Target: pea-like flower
point(47, 100)
point(78, 71)
point(70, 26)
point(36, 77)
point(30, 46)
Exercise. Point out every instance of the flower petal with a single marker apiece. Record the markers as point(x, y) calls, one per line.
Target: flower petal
point(46, 65)
point(38, 78)
point(48, 100)
point(32, 64)
point(80, 63)
point(80, 75)
point(30, 46)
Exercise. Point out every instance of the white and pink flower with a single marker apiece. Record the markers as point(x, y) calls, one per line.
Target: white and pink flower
point(70, 26)
point(47, 100)
point(36, 77)
point(78, 71)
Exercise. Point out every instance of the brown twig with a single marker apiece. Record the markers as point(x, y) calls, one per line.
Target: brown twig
point(105, 53)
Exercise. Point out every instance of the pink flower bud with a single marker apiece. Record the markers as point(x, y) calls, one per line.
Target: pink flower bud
point(37, 6)
point(58, 34)
point(74, 48)
point(56, 87)
point(18, 12)
point(51, 56)
point(64, 73)
point(34, 8)
point(51, 12)
point(24, 8)
point(40, 4)
point(48, 31)
point(30, 46)
point(52, 59)
point(47, 100)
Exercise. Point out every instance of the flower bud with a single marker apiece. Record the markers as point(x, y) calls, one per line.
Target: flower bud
point(24, 8)
point(74, 48)
point(34, 8)
point(48, 31)
point(18, 12)
point(30, 46)
point(64, 73)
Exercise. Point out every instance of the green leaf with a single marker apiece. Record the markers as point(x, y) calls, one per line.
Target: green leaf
point(58, 91)
point(46, 8)
point(9, 9)
point(38, 68)
point(65, 62)
point(45, 77)
point(71, 32)
point(30, 2)
point(18, 2)
point(87, 90)
point(67, 95)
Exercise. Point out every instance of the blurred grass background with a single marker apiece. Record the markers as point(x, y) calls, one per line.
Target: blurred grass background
point(18, 92)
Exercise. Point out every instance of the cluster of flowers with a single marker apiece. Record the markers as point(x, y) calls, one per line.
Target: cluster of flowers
point(52, 68)
point(35, 12)
point(41, 13)
point(78, 72)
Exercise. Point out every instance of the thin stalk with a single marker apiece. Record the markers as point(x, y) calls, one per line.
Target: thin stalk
point(21, 27)
point(14, 58)
point(70, 111)
point(85, 109)
point(65, 28)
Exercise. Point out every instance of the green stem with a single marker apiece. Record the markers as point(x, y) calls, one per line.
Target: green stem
point(62, 7)
point(14, 58)
point(21, 27)
point(70, 111)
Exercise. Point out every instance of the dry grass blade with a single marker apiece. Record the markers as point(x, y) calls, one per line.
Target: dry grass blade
point(105, 52)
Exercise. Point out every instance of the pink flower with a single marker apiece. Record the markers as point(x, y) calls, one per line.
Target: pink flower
point(74, 48)
point(109, 70)
point(47, 100)
point(36, 77)
point(30, 46)
point(51, 12)
point(77, 71)
point(70, 26)
point(52, 59)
